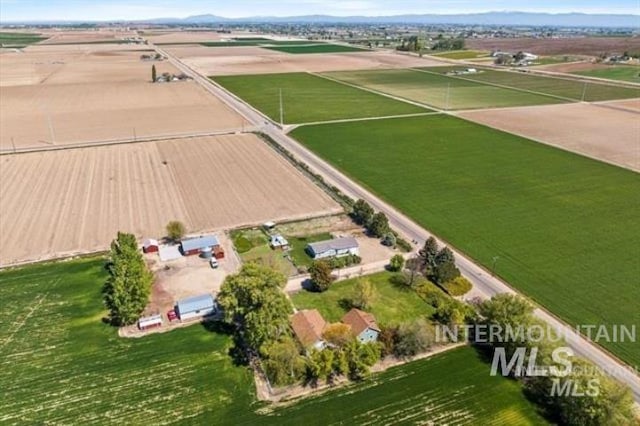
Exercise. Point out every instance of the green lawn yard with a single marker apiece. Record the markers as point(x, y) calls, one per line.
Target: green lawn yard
point(60, 364)
point(309, 98)
point(299, 244)
point(565, 227)
point(567, 88)
point(439, 90)
point(315, 48)
point(621, 72)
point(391, 304)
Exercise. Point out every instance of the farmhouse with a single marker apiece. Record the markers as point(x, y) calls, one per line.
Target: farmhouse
point(363, 325)
point(308, 326)
point(153, 321)
point(150, 246)
point(195, 307)
point(338, 247)
point(194, 246)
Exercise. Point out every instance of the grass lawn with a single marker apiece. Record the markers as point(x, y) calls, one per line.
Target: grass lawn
point(60, 364)
point(565, 227)
point(390, 305)
point(565, 87)
point(19, 39)
point(621, 72)
point(298, 245)
point(462, 54)
point(253, 246)
point(439, 90)
point(309, 98)
point(452, 388)
point(315, 48)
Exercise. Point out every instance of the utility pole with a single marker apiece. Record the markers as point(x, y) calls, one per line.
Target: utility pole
point(493, 267)
point(446, 102)
point(281, 111)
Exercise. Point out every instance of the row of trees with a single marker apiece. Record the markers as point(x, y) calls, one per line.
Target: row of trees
point(376, 223)
point(612, 404)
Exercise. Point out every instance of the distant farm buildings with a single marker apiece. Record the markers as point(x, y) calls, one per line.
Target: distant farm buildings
point(338, 247)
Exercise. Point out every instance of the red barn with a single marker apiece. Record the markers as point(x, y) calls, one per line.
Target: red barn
point(150, 246)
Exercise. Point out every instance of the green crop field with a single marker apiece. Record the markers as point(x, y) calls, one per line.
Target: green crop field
point(569, 88)
point(440, 91)
point(565, 228)
point(462, 54)
point(309, 98)
point(391, 304)
point(623, 73)
point(19, 39)
point(315, 48)
point(60, 364)
point(251, 42)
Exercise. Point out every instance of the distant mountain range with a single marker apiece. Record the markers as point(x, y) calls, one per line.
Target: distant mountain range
point(488, 18)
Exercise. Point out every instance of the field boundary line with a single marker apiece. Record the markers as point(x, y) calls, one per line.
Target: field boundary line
point(502, 86)
point(377, 92)
point(349, 120)
point(146, 139)
point(548, 143)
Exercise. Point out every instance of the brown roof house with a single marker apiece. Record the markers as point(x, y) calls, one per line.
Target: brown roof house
point(308, 326)
point(363, 325)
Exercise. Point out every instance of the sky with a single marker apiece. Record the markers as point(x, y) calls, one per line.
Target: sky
point(16, 10)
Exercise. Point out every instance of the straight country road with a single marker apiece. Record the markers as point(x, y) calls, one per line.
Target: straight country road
point(485, 285)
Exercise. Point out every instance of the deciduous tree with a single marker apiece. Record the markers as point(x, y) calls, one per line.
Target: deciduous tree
point(321, 277)
point(175, 230)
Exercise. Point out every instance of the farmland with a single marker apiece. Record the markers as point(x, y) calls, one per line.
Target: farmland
point(59, 95)
point(61, 364)
point(558, 46)
point(8, 39)
point(309, 98)
point(462, 54)
point(315, 48)
point(575, 127)
point(70, 201)
point(256, 60)
point(439, 90)
point(624, 73)
point(562, 225)
point(565, 88)
point(391, 303)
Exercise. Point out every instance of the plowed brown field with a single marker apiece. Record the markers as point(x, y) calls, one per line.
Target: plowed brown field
point(72, 201)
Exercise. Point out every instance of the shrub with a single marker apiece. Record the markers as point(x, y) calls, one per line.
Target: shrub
point(413, 338)
point(175, 230)
point(389, 240)
point(403, 245)
point(321, 277)
point(396, 263)
point(458, 286)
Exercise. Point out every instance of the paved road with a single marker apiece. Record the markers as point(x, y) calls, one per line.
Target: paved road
point(485, 285)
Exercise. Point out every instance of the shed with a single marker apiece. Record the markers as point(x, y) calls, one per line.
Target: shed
point(218, 252)
point(152, 321)
point(196, 307)
point(150, 245)
point(168, 253)
point(338, 247)
point(363, 325)
point(278, 241)
point(194, 246)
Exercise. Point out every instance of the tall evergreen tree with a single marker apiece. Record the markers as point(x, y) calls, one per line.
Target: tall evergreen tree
point(127, 290)
point(427, 256)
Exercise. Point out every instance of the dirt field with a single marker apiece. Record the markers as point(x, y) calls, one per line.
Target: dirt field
point(577, 46)
point(63, 202)
point(59, 95)
point(575, 127)
point(85, 36)
point(573, 67)
point(191, 36)
point(252, 60)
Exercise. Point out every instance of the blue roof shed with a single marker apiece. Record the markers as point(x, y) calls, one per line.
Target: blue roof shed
point(199, 305)
point(199, 243)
